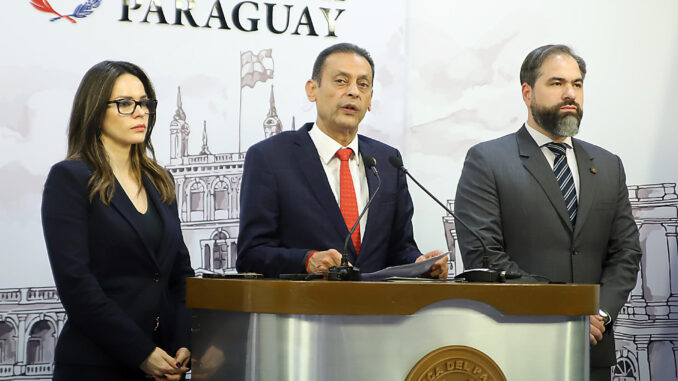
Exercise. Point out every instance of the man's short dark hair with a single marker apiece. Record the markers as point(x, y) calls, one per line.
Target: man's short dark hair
point(343, 47)
point(530, 70)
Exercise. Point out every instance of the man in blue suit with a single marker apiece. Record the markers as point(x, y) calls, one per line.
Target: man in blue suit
point(302, 190)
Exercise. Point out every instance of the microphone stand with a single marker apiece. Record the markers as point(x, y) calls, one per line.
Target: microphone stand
point(483, 274)
point(345, 272)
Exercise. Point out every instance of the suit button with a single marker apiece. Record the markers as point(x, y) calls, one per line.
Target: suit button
point(156, 277)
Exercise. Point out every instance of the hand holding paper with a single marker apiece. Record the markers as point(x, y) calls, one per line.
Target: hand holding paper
point(422, 265)
point(439, 268)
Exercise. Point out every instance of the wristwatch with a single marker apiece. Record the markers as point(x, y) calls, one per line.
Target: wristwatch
point(607, 319)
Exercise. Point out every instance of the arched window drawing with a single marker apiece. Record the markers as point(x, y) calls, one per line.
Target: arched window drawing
point(41, 343)
point(625, 369)
point(196, 201)
point(220, 251)
point(219, 256)
point(7, 344)
point(221, 203)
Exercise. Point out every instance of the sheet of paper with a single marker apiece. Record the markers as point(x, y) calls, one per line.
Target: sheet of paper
point(410, 270)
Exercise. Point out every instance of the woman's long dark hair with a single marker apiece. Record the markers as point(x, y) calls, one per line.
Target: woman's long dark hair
point(84, 130)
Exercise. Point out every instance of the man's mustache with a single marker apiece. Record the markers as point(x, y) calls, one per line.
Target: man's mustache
point(569, 103)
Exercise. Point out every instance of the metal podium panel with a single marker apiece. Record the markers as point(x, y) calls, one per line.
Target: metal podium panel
point(265, 347)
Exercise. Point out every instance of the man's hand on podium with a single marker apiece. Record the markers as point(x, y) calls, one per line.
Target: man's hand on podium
point(323, 260)
point(597, 329)
point(440, 268)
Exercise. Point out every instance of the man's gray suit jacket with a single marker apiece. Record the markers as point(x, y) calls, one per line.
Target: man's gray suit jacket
point(509, 195)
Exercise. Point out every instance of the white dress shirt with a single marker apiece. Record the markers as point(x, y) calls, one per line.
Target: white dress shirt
point(327, 148)
point(542, 139)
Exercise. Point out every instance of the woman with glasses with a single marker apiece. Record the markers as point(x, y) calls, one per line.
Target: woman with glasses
point(113, 237)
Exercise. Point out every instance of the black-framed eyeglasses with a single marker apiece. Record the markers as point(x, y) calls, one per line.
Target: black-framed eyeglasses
point(128, 106)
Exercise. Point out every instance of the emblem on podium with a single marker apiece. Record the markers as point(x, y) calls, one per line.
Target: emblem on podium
point(456, 363)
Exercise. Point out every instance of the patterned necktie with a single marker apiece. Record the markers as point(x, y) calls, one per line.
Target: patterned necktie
point(348, 203)
point(564, 178)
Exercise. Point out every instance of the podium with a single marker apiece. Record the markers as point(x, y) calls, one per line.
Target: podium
point(433, 331)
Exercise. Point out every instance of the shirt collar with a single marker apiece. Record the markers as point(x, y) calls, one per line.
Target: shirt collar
point(542, 139)
point(328, 147)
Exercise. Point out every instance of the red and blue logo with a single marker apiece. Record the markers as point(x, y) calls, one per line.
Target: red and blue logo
point(81, 11)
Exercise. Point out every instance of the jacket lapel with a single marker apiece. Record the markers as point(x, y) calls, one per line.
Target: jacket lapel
point(165, 215)
point(535, 163)
point(586, 184)
point(124, 206)
point(315, 176)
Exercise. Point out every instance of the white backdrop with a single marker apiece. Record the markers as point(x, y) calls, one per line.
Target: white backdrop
point(44, 62)
point(446, 78)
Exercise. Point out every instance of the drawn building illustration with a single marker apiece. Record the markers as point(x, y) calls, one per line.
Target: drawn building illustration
point(272, 124)
point(647, 326)
point(30, 322)
point(646, 329)
point(208, 192)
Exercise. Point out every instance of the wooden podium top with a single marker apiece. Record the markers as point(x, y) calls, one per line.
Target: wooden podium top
point(385, 298)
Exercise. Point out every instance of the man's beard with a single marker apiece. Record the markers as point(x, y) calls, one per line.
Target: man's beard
point(553, 121)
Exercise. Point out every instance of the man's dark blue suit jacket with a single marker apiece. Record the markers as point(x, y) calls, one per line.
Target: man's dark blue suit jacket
point(112, 284)
point(287, 208)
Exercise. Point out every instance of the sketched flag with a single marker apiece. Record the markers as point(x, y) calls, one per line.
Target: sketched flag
point(255, 67)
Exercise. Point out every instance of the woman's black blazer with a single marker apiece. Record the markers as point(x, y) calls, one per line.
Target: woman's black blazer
point(115, 289)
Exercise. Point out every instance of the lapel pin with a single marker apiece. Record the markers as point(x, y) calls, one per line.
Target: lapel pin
point(593, 170)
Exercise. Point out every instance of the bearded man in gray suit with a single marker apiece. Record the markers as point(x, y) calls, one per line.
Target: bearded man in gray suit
point(551, 205)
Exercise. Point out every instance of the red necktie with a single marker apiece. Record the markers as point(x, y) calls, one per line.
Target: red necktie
point(347, 200)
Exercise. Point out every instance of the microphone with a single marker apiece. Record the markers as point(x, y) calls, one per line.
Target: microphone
point(485, 274)
point(344, 271)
